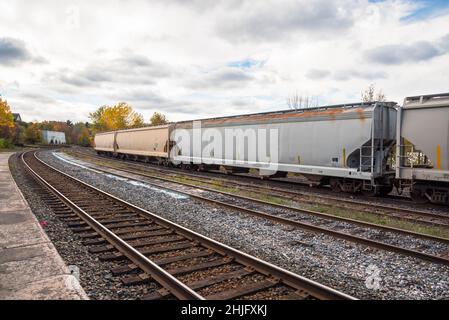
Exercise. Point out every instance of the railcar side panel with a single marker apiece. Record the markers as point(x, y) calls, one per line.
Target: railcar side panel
point(150, 141)
point(104, 142)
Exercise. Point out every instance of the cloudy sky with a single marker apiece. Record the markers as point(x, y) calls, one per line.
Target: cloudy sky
point(190, 59)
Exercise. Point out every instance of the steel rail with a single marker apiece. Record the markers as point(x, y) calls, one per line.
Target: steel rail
point(176, 287)
point(280, 206)
point(197, 177)
point(396, 212)
point(314, 288)
point(304, 225)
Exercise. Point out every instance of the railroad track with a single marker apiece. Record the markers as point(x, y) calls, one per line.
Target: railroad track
point(377, 209)
point(231, 204)
point(144, 173)
point(185, 264)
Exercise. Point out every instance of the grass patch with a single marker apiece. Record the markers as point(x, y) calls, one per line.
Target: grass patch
point(383, 221)
point(270, 199)
point(218, 186)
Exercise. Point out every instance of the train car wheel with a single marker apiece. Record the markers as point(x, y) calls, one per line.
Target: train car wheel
point(385, 190)
point(374, 192)
point(335, 185)
point(186, 167)
point(418, 196)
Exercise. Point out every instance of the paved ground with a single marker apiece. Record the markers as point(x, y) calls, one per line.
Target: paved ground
point(30, 266)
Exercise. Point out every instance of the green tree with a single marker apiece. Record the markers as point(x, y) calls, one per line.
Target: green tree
point(33, 134)
point(158, 119)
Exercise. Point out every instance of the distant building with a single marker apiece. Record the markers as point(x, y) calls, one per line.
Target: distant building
point(53, 137)
point(17, 117)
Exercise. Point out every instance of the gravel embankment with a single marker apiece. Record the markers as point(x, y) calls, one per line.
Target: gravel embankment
point(340, 264)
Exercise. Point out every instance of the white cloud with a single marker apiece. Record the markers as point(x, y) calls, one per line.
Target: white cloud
point(192, 59)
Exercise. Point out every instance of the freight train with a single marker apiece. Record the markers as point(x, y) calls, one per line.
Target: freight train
point(363, 147)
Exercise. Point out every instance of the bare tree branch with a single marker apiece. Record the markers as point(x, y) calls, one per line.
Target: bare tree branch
point(369, 95)
point(297, 101)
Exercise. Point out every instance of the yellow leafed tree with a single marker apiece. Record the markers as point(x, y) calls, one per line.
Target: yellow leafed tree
point(6, 117)
point(120, 116)
point(6, 125)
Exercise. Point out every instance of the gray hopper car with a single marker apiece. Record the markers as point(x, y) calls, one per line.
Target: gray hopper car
point(349, 147)
point(422, 148)
point(345, 145)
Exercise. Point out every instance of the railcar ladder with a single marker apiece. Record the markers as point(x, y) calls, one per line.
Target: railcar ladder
point(376, 146)
point(403, 157)
point(368, 166)
point(370, 156)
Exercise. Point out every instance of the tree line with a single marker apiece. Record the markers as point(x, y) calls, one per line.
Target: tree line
point(18, 133)
point(106, 118)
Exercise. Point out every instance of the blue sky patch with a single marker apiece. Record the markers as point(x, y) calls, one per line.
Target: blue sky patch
point(426, 9)
point(245, 64)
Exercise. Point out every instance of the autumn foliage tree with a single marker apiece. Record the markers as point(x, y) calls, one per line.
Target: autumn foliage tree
point(120, 116)
point(6, 117)
point(6, 124)
point(33, 133)
point(81, 134)
point(158, 119)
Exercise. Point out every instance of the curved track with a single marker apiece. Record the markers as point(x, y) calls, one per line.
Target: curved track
point(119, 230)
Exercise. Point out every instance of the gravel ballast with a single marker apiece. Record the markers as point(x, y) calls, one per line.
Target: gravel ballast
point(94, 275)
point(300, 185)
point(348, 267)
